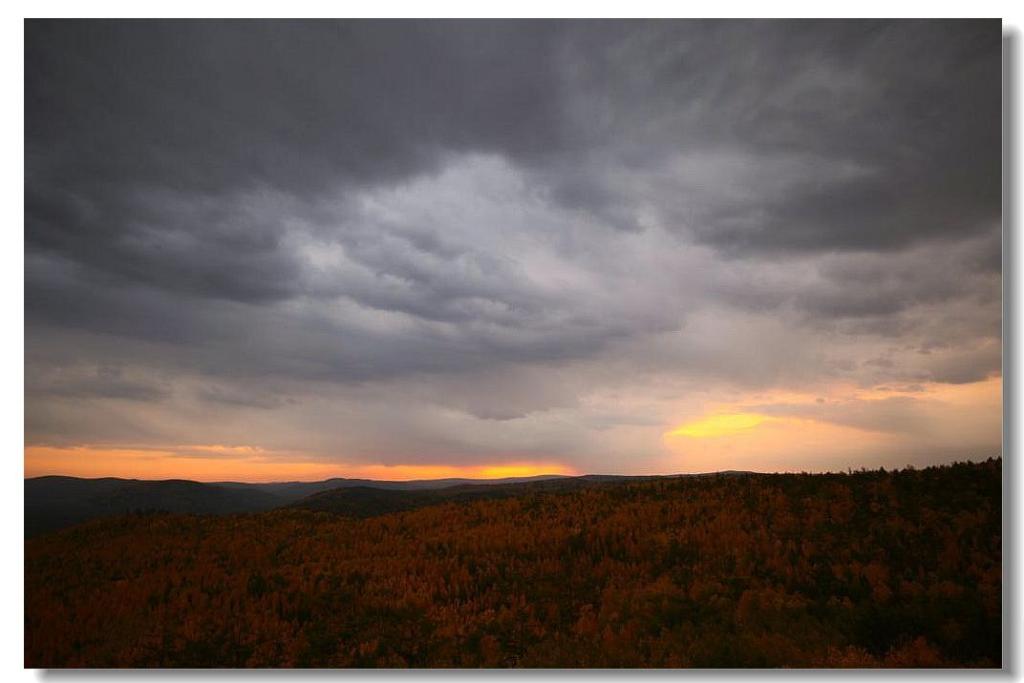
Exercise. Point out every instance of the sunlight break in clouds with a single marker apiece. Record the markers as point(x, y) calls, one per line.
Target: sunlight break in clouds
point(718, 425)
point(843, 428)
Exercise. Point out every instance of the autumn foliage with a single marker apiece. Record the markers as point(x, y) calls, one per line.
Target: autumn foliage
point(864, 569)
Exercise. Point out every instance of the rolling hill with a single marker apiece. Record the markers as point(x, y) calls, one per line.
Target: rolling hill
point(55, 502)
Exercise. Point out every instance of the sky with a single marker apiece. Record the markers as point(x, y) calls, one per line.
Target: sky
point(267, 251)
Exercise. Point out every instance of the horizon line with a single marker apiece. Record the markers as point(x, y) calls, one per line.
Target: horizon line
point(848, 470)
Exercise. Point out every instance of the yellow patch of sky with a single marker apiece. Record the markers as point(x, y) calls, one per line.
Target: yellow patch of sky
point(718, 425)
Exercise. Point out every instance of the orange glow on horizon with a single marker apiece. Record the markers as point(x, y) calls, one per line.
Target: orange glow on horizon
point(248, 464)
point(406, 472)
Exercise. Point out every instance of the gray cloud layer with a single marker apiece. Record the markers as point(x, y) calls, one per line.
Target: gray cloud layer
point(485, 221)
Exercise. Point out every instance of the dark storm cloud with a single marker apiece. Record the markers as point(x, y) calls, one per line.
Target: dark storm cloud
point(895, 126)
point(853, 135)
point(237, 340)
point(879, 293)
point(124, 118)
point(103, 382)
point(965, 367)
point(855, 287)
point(876, 134)
point(234, 396)
point(206, 105)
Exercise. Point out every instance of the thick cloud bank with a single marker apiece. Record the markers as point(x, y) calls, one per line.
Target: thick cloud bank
point(462, 242)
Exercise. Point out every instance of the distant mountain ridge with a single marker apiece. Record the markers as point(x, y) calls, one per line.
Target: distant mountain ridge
point(54, 502)
point(294, 490)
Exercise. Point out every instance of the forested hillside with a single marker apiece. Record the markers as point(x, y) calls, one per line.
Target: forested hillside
point(870, 568)
point(368, 501)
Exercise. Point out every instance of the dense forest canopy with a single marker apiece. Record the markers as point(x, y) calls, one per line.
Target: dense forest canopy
point(868, 568)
